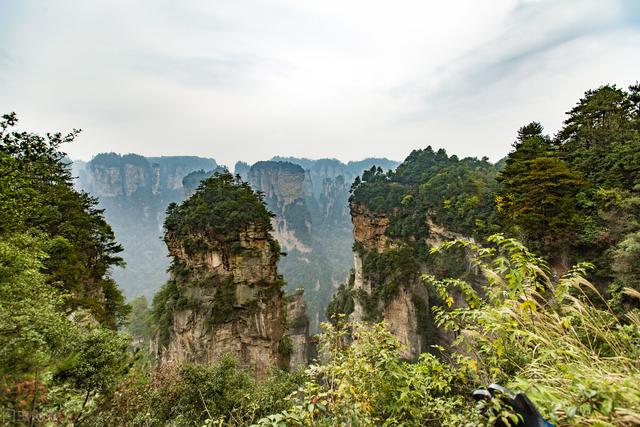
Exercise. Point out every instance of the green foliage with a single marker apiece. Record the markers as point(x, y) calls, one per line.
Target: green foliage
point(389, 270)
point(525, 330)
point(601, 137)
point(575, 197)
point(99, 360)
point(193, 395)
point(366, 383)
point(46, 358)
point(36, 192)
point(456, 194)
point(222, 207)
point(625, 257)
point(545, 336)
point(285, 347)
point(165, 301)
point(33, 329)
point(58, 306)
point(538, 198)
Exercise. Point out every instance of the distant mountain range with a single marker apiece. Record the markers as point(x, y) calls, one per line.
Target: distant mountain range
point(309, 198)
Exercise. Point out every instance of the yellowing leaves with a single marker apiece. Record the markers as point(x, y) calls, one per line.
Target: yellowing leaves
point(528, 305)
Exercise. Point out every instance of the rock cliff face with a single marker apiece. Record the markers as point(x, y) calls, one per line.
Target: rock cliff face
point(398, 217)
point(369, 228)
point(312, 223)
point(286, 187)
point(235, 302)
point(135, 191)
point(402, 311)
point(407, 310)
point(298, 330)
point(224, 295)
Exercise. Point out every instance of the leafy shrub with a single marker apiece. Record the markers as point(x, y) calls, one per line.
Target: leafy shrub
point(192, 395)
point(546, 337)
point(526, 330)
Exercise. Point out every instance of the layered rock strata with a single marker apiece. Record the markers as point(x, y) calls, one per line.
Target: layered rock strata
point(230, 301)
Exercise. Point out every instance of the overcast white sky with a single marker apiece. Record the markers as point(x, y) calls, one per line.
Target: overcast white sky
point(249, 79)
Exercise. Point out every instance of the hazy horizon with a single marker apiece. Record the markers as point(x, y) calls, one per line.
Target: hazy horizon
point(347, 80)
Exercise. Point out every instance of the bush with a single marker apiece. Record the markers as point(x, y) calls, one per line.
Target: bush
point(191, 395)
point(578, 363)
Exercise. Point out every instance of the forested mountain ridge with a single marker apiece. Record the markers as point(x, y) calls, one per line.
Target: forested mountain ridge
point(576, 196)
point(398, 217)
point(572, 198)
point(312, 218)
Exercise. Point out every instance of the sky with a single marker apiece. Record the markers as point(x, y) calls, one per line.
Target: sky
point(347, 79)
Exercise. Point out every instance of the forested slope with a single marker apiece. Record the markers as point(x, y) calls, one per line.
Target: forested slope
point(59, 308)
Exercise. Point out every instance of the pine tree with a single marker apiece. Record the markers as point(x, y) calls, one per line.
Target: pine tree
point(538, 198)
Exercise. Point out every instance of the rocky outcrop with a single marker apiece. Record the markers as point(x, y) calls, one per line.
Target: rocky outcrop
point(242, 169)
point(407, 310)
point(233, 302)
point(298, 330)
point(403, 310)
point(312, 222)
point(369, 228)
point(285, 187)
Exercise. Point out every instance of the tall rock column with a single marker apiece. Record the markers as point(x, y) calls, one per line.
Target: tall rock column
point(298, 330)
point(224, 295)
point(402, 306)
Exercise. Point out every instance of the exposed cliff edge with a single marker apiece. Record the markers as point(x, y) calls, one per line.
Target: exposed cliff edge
point(312, 222)
point(398, 217)
point(403, 307)
point(224, 295)
point(285, 187)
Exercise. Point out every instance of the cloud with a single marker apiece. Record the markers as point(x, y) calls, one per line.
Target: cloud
point(252, 79)
point(531, 30)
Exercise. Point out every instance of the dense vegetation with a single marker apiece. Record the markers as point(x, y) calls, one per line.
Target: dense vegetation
point(222, 207)
point(194, 395)
point(571, 198)
point(456, 194)
point(428, 188)
point(524, 329)
point(58, 306)
point(575, 197)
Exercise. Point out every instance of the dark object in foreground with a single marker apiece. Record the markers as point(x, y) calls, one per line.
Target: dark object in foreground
point(519, 402)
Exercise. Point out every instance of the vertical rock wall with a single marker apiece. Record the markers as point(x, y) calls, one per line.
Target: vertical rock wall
point(400, 311)
point(298, 330)
point(232, 302)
